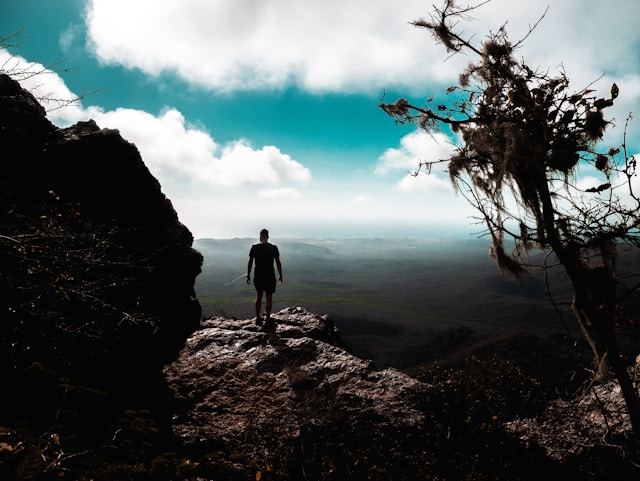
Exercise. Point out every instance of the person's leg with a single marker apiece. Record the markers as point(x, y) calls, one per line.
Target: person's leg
point(258, 304)
point(269, 304)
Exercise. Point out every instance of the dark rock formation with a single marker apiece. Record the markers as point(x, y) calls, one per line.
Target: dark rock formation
point(96, 271)
point(294, 399)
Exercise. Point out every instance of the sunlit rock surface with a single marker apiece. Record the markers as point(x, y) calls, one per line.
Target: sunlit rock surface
point(269, 393)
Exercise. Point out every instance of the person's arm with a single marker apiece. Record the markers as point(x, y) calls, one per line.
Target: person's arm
point(249, 266)
point(279, 266)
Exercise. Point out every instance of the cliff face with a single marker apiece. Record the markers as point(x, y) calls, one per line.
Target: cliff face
point(96, 271)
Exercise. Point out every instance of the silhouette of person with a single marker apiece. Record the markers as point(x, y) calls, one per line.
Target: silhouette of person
point(264, 276)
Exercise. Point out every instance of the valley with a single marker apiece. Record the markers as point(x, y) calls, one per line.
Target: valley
point(398, 302)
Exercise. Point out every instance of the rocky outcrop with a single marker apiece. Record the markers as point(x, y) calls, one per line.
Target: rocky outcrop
point(292, 398)
point(96, 271)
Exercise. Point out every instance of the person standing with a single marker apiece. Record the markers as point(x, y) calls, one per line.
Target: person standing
point(264, 276)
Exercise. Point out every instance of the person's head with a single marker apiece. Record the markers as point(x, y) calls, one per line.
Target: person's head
point(264, 235)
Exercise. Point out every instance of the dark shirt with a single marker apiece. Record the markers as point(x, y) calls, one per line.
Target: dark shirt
point(264, 255)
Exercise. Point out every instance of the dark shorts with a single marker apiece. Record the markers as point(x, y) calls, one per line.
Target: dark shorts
point(267, 285)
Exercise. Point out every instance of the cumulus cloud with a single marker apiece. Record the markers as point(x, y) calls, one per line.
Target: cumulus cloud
point(415, 148)
point(423, 182)
point(249, 44)
point(588, 182)
point(172, 149)
point(335, 45)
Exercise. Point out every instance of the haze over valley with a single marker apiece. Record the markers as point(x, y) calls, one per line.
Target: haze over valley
point(398, 302)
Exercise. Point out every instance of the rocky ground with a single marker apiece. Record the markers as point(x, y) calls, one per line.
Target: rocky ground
point(266, 393)
point(291, 400)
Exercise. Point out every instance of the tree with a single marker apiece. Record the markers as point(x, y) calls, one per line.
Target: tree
point(525, 137)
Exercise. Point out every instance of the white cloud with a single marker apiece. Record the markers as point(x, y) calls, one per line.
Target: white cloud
point(250, 44)
point(588, 182)
point(416, 147)
point(267, 166)
point(70, 39)
point(423, 182)
point(362, 199)
point(46, 85)
point(357, 45)
point(168, 144)
point(174, 150)
point(282, 193)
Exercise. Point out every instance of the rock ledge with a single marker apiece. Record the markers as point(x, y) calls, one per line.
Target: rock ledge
point(243, 388)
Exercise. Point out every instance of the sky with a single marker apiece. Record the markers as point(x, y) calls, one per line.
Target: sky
point(264, 113)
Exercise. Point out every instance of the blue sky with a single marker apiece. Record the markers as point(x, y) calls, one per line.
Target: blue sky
point(263, 113)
